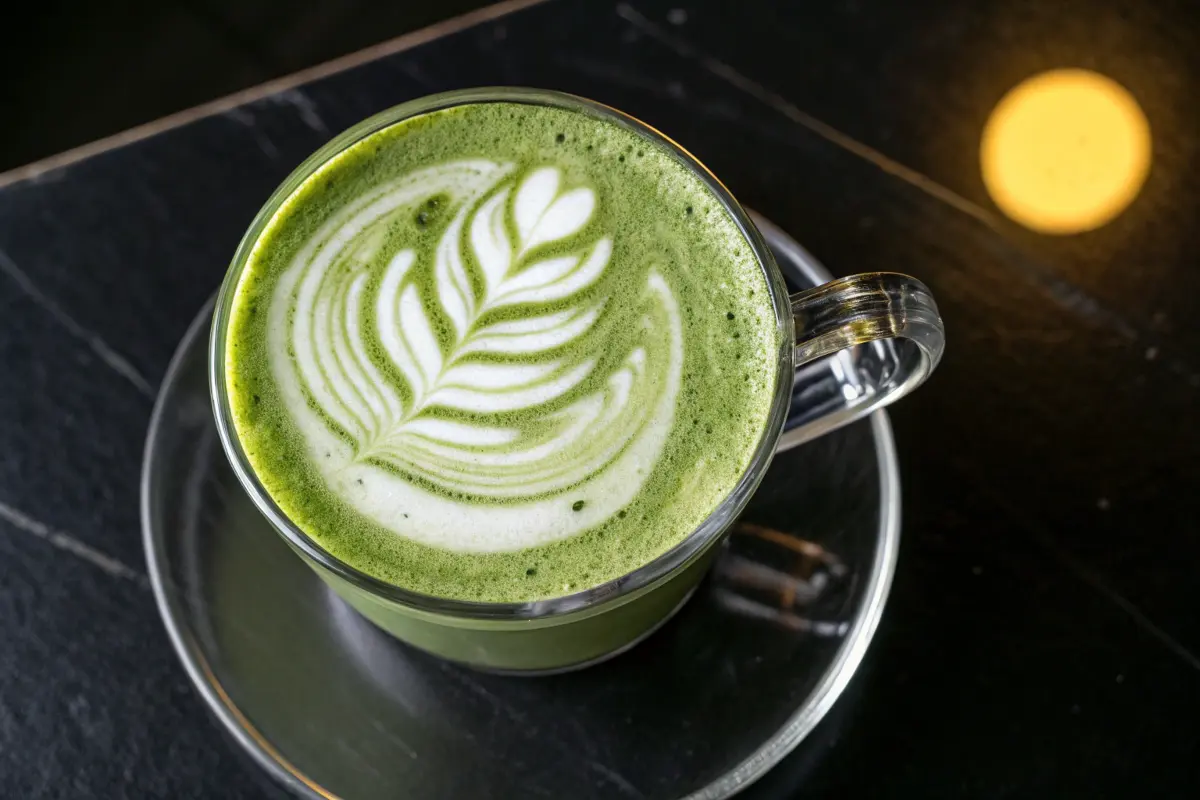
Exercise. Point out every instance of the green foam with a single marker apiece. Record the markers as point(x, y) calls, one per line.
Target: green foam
point(660, 215)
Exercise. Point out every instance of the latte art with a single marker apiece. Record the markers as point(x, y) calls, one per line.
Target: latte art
point(500, 352)
point(446, 389)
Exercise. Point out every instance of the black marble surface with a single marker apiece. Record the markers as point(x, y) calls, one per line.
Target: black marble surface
point(1042, 638)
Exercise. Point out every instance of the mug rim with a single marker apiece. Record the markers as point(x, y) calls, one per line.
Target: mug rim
point(622, 588)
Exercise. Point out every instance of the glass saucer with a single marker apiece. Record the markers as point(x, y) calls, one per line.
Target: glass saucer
point(331, 707)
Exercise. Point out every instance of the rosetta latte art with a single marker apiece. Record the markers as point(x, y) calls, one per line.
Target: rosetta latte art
point(462, 389)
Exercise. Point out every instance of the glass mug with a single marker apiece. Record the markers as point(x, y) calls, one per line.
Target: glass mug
point(893, 316)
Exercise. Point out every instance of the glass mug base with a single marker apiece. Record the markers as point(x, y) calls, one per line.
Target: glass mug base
point(894, 314)
point(528, 646)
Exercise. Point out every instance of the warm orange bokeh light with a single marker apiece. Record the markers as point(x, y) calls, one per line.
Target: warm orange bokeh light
point(1065, 151)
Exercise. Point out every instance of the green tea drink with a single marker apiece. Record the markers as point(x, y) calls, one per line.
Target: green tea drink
point(500, 352)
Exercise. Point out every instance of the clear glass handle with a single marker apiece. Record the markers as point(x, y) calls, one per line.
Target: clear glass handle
point(883, 336)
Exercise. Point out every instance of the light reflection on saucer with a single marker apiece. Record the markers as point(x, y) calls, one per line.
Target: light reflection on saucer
point(782, 585)
point(1065, 151)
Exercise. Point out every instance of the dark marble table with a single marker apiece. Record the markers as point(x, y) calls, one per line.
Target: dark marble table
point(1042, 638)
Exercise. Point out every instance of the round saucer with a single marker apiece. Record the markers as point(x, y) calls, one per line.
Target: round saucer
point(331, 707)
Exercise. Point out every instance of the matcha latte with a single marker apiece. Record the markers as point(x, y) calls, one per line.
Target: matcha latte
point(500, 352)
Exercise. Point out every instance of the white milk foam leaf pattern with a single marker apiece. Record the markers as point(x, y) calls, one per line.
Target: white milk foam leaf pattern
point(500, 352)
point(392, 448)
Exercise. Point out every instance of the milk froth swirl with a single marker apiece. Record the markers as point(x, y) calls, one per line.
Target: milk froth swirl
point(455, 393)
